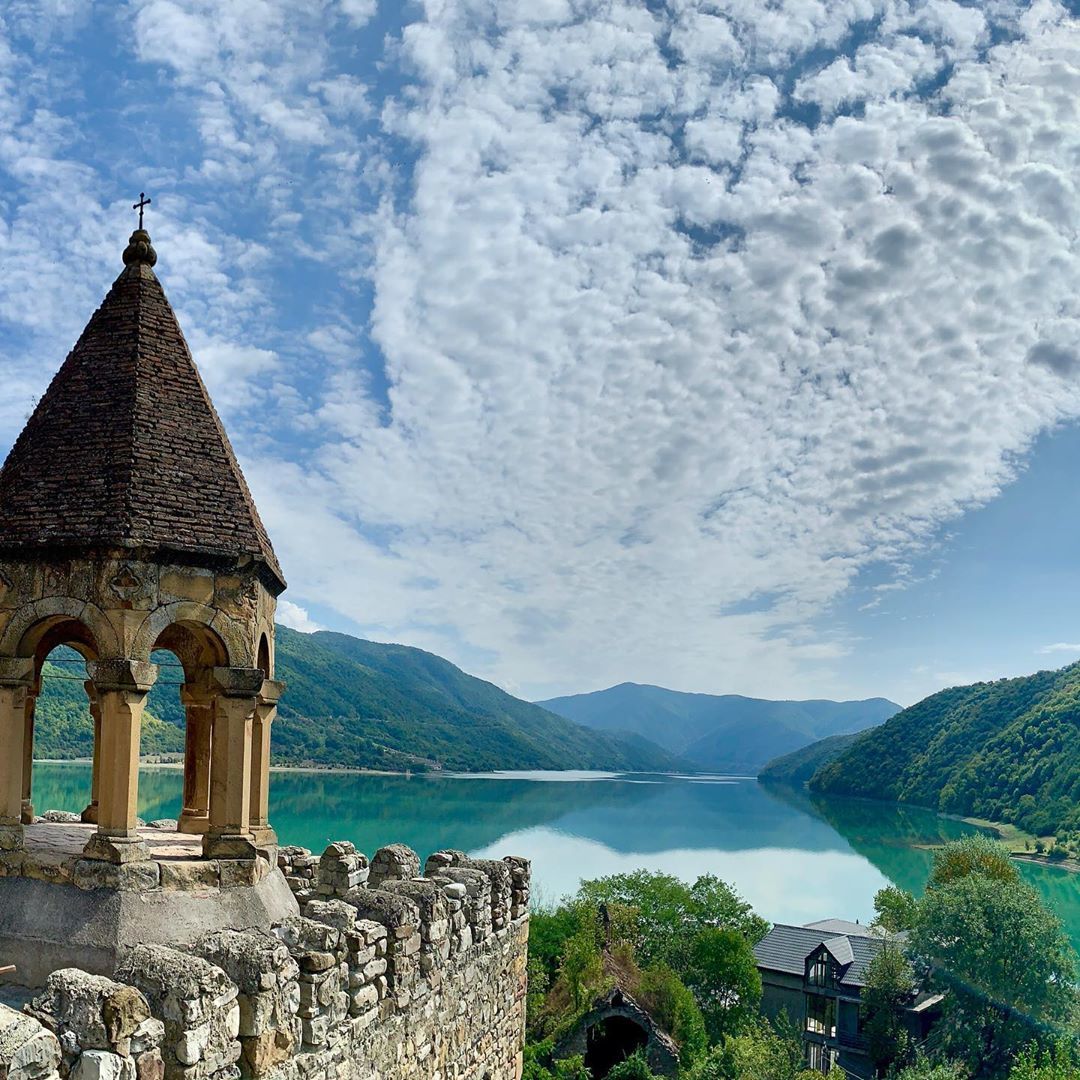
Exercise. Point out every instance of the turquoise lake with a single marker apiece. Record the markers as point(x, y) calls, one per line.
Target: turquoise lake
point(795, 858)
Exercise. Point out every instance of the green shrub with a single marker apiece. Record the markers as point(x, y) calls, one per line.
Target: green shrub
point(635, 1067)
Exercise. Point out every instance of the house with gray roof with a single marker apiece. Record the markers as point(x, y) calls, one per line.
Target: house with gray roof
point(816, 974)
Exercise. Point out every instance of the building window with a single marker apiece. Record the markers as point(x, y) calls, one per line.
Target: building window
point(819, 971)
point(821, 1015)
point(818, 1057)
point(821, 1058)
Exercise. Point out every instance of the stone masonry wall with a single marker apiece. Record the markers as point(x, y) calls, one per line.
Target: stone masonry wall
point(385, 975)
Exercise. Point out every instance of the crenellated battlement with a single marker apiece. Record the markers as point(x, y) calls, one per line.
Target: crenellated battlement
point(383, 973)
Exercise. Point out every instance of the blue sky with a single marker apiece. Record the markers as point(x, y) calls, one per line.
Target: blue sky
point(715, 344)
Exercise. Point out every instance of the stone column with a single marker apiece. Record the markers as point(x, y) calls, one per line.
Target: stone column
point(28, 755)
point(265, 714)
point(16, 680)
point(235, 693)
point(198, 728)
point(121, 687)
point(90, 814)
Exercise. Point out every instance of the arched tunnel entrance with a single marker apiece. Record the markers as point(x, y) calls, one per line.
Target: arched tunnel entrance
point(610, 1041)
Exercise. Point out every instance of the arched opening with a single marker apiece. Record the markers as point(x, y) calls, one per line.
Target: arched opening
point(60, 729)
point(58, 717)
point(264, 663)
point(187, 652)
point(610, 1041)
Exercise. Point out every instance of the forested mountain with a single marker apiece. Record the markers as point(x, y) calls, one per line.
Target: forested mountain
point(365, 704)
point(1006, 750)
point(727, 733)
point(800, 765)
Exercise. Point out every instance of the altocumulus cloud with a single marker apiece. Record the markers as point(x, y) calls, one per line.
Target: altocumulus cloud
point(682, 314)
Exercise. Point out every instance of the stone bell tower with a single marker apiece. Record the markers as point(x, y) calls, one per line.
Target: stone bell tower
point(126, 527)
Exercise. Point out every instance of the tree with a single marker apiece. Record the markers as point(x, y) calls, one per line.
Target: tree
point(975, 854)
point(895, 909)
point(661, 915)
point(761, 1052)
point(634, 1067)
point(581, 966)
point(890, 987)
point(674, 1008)
point(538, 1064)
point(1003, 962)
point(924, 1069)
point(724, 977)
point(1059, 1062)
point(551, 928)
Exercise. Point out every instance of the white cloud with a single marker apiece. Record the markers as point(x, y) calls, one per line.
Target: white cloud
point(1059, 647)
point(359, 12)
point(629, 391)
point(652, 345)
point(296, 617)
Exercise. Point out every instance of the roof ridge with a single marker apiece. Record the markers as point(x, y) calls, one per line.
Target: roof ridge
point(127, 511)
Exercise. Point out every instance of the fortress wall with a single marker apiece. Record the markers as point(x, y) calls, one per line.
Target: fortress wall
point(384, 974)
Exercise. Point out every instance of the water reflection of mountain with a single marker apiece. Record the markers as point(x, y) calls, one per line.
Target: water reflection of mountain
point(896, 839)
point(695, 815)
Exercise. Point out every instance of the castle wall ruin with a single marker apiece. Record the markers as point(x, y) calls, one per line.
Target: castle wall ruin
point(384, 973)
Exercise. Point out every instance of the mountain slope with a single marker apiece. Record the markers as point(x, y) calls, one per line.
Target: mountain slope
point(1006, 750)
point(800, 765)
point(726, 733)
point(364, 704)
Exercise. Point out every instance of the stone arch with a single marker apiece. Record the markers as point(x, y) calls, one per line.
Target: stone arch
point(207, 637)
point(61, 620)
point(611, 1040)
point(34, 632)
point(617, 1023)
point(264, 655)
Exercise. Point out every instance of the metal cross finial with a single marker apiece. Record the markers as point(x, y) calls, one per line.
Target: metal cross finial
point(143, 201)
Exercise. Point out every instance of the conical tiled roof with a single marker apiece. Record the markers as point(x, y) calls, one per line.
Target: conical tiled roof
point(126, 449)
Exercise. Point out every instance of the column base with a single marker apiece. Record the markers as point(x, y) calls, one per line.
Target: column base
point(27, 812)
point(229, 846)
point(266, 842)
point(193, 823)
point(116, 849)
point(90, 815)
point(11, 835)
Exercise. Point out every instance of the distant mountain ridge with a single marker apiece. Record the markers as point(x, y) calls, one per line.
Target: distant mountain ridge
point(723, 733)
point(364, 704)
point(1007, 751)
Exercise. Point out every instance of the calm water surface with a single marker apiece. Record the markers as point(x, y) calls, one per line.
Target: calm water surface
point(795, 858)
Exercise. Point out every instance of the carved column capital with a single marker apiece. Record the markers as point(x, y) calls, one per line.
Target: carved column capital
point(271, 691)
point(17, 671)
point(136, 676)
point(236, 681)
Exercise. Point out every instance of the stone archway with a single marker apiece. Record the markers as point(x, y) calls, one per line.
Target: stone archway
point(611, 1040)
point(616, 1027)
point(31, 635)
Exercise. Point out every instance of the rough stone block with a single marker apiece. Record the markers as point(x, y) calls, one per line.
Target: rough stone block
point(28, 1050)
point(103, 1065)
point(395, 862)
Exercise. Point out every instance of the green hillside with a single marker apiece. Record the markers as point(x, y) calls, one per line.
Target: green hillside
point(727, 733)
point(62, 724)
point(365, 705)
point(799, 766)
point(1006, 751)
